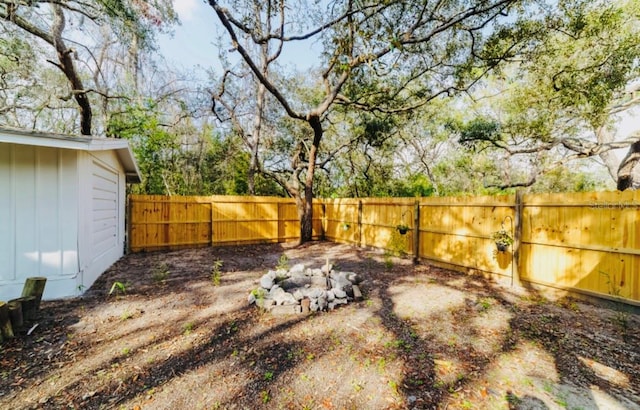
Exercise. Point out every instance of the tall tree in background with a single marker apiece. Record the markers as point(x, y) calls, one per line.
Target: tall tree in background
point(422, 49)
point(62, 28)
point(558, 103)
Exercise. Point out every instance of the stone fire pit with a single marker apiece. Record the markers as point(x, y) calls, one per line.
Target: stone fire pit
point(301, 289)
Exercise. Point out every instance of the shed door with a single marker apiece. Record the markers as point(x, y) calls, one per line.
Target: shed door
point(104, 197)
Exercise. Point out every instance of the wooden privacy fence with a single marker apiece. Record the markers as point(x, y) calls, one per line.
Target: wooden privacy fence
point(585, 242)
point(168, 222)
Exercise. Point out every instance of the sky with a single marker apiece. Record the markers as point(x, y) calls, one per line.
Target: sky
point(192, 43)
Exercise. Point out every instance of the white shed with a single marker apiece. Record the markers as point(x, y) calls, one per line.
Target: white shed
point(62, 209)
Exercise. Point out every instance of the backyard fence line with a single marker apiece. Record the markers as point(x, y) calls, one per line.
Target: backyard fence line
point(583, 242)
point(158, 222)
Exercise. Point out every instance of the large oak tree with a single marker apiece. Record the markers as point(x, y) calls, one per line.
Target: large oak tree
point(382, 57)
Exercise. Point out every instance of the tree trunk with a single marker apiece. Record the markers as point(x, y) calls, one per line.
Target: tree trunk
point(255, 139)
point(626, 172)
point(306, 222)
point(65, 57)
point(608, 157)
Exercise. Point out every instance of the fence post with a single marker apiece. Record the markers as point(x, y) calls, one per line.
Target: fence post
point(281, 224)
point(211, 222)
point(517, 238)
point(359, 223)
point(416, 232)
point(323, 221)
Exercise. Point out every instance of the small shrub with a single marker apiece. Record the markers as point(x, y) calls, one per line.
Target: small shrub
point(160, 273)
point(118, 287)
point(216, 273)
point(388, 261)
point(621, 315)
point(484, 304)
point(266, 398)
point(187, 328)
point(283, 263)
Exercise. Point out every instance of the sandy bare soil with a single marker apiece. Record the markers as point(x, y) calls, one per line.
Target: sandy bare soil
point(173, 336)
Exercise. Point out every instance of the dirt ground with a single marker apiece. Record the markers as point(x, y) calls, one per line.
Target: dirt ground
point(177, 333)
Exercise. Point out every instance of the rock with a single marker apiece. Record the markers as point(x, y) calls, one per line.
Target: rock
point(319, 282)
point(266, 282)
point(265, 303)
point(339, 293)
point(336, 302)
point(353, 277)
point(343, 284)
point(304, 289)
point(282, 297)
point(298, 294)
point(322, 302)
point(295, 282)
point(317, 293)
point(296, 269)
point(276, 290)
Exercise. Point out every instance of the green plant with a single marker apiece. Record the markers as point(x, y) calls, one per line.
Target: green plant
point(402, 229)
point(126, 315)
point(388, 261)
point(283, 262)
point(266, 398)
point(503, 239)
point(394, 386)
point(118, 287)
point(187, 328)
point(484, 304)
point(268, 376)
point(216, 273)
point(357, 386)
point(397, 244)
point(160, 272)
point(621, 315)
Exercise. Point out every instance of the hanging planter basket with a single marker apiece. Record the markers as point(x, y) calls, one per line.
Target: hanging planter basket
point(502, 239)
point(402, 229)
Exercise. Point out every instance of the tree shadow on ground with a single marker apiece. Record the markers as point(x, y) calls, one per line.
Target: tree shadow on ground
point(438, 352)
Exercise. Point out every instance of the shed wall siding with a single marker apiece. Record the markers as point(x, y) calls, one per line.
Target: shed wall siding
point(103, 204)
point(39, 216)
